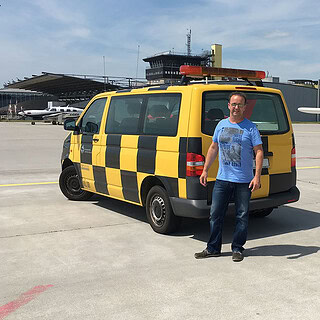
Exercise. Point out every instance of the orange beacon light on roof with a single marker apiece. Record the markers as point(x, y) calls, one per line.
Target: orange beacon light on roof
point(199, 71)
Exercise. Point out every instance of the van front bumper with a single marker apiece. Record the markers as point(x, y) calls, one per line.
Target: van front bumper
point(201, 209)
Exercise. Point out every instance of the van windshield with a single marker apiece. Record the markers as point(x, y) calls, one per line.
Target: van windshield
point(266, 110)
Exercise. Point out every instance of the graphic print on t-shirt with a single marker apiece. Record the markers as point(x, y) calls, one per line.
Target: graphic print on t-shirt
point(230, 146)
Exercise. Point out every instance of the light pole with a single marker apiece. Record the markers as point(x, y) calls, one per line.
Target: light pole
point(137, 64)
point(104, 72)
point(318, 100)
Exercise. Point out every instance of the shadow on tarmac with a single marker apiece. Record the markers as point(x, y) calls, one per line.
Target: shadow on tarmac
point(118, 206)
point(292, 251)
point(281, 221)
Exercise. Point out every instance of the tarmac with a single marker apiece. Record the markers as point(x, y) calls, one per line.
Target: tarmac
point(100, 259)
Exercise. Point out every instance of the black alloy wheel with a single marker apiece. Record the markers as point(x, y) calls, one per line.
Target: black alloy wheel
point(70, 185)
point(159, 211)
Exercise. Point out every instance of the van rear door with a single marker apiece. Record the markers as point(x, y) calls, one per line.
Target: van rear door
point(266, 109)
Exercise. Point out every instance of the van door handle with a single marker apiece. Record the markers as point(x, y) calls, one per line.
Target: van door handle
point(95, 139)
point(268, 154)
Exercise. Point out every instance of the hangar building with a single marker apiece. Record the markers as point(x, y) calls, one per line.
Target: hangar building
point(35, 92)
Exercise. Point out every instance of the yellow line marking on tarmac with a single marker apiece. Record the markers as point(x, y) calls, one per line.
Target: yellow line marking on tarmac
point(315, 167)
point(306, 131)
point(26, 184)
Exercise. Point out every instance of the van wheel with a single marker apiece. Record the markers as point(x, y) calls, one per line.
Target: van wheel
point(70, 185)
point(159, 211)
point(261, 213)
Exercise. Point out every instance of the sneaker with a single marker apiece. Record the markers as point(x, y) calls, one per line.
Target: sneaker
point(237, 256)
point(206, 254)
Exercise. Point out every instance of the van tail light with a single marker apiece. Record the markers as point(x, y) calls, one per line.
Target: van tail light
point(195, 163)
point(293, 157)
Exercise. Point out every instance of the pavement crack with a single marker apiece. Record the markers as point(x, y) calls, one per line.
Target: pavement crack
point(66, 230)
point(306, 181)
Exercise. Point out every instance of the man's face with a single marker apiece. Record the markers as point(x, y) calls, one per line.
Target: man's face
point(237, 107)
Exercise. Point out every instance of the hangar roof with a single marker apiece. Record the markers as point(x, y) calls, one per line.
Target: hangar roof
point(64, 86)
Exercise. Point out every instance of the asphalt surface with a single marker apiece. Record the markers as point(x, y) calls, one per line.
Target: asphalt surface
point(100, 259)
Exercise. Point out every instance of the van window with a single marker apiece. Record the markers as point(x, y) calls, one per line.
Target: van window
point(264, 109)
point(124, 114)
point(91, 121)
point(149, 114)
point(162, 114)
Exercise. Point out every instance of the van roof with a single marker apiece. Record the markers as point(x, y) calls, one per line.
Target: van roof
point(192, 86)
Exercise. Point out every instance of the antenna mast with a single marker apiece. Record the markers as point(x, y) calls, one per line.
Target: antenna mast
point(188, 44)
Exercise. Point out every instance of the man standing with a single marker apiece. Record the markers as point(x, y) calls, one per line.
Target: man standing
point(235, 139)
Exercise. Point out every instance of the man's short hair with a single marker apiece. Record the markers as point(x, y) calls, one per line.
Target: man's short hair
point(238, 93)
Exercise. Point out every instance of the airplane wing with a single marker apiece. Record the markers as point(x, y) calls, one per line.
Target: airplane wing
point(309, 110)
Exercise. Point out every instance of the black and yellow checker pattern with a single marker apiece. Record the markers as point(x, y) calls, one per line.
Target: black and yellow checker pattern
point(118, 165)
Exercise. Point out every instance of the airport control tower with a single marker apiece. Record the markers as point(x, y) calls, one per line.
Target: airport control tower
point(164, 67)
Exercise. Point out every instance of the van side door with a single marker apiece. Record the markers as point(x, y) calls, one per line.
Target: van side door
point(121, 134)
point(90, 125)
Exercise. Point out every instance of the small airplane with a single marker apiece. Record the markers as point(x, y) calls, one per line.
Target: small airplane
point(311, 110)
point(51, 113)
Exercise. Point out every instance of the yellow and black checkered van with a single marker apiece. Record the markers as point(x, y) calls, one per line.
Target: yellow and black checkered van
point(146, 146)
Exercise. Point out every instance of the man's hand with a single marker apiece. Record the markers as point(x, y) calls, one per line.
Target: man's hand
point(255, 184)
point(203, 178)
point(211, 156)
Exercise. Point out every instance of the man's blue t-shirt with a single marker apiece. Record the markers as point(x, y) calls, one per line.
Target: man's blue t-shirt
point(236, 142)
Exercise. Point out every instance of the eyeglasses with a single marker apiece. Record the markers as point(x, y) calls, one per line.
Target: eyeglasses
point(240, 105)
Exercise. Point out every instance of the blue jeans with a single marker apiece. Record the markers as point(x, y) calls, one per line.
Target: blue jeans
point(221, 196)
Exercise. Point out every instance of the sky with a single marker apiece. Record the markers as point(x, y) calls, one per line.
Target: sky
point(281, 37)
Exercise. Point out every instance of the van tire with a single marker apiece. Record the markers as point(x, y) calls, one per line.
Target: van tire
point(70, 185)
point(159, 211)
point(261, 213)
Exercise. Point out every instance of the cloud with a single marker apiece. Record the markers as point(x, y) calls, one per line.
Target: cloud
point(276, 34)
point(58, 11)
point(72, 36)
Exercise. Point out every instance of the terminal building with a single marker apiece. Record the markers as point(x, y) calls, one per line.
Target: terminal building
point(13, 101)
